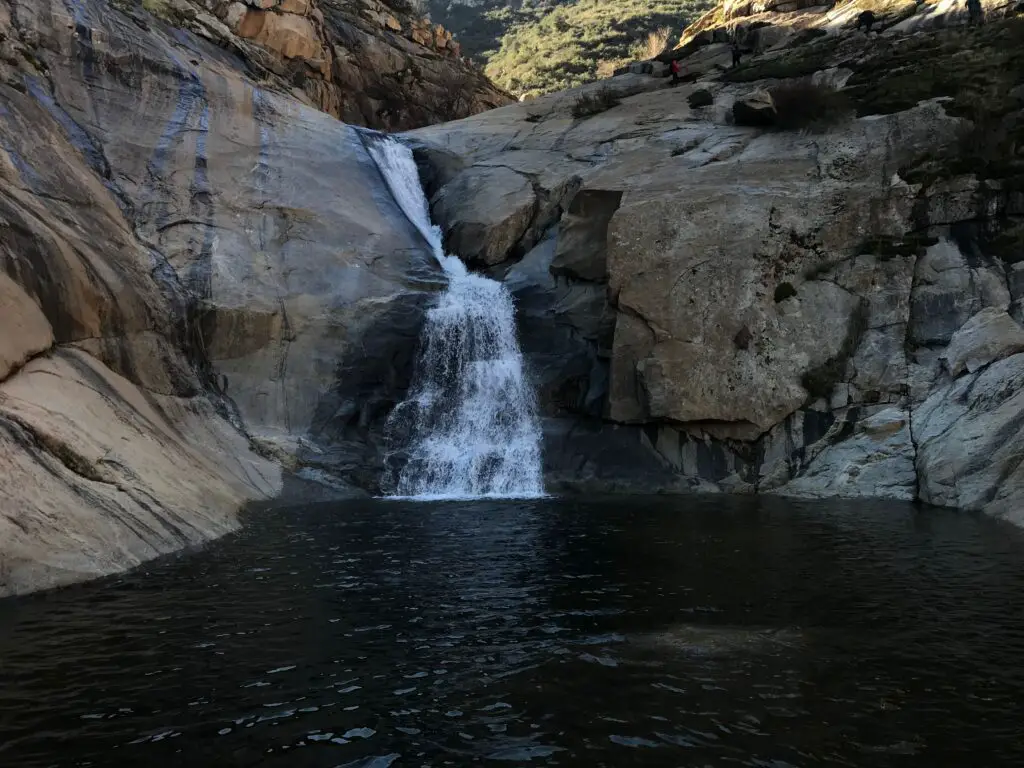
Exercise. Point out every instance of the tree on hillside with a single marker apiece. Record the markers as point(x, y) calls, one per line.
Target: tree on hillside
point(563, 46)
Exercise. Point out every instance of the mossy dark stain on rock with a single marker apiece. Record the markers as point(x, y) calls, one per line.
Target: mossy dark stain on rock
point(820, 381)
point(784, 291)
point(886, 247)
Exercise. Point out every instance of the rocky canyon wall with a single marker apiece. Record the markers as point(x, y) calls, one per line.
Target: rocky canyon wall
point(369, 63)
point(199, 273)
point(832, 311)
point(207, 291)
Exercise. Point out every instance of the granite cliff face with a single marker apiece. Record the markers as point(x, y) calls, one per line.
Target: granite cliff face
point(199, 274)
point(208, 295)
point(370, 63)
point(753, 309)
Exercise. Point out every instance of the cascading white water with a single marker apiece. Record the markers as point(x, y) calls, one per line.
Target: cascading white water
point(469, 428)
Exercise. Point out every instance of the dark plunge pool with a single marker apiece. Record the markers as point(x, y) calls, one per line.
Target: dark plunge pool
point(615, 632)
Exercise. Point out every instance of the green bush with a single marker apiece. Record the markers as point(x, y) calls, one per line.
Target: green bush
point(545, 49)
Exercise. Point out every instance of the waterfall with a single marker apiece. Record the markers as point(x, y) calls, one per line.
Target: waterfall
point(469, 428)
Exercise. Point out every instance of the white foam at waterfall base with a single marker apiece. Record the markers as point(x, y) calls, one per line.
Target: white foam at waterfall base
point(469, 428)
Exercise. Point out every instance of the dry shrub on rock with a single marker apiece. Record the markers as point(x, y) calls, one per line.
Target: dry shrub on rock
point(805, 105)
point(655, 44)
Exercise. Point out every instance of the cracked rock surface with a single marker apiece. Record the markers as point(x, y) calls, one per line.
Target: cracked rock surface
point(203, 278)
point(792, 312)
point(198, 271)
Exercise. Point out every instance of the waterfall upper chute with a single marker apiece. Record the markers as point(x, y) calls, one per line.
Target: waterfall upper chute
point(469, 428)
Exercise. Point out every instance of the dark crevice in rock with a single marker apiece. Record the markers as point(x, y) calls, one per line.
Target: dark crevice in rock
point(25, 436)
point(64, 453)
point(656, 333)
point(41, 443)
point(18, 367)
point(582, 249)
point(347, 434)
point(908, 361)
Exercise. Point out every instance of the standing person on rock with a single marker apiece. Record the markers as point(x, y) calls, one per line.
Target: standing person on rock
point(867, 20)
point(737, 52)
point(975, 14)
point(675, 68)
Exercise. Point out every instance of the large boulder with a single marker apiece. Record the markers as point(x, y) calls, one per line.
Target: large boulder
point(483, 213)
point(987, 337)
point(696, 367)
point(970, 438)
point(738, 303)
point(755, 109)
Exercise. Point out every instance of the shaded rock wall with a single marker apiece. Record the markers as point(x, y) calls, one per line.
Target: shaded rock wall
point(192, 266)
point(269, 215)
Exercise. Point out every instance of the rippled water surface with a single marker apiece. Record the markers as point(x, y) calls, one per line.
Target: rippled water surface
point(649, 632)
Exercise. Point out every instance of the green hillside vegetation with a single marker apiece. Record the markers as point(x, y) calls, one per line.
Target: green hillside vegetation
point(549, 49)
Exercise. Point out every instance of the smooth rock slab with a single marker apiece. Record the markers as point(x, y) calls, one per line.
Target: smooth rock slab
point(876, 461)
point(24, 330)
point(970, 437)
point(97, 475)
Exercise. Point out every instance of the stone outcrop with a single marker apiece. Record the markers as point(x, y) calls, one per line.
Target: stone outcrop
point(875, 458)
point(773, 25)
point(484, 212)
point(756, 109)
point(366, 62)
point(222, 286)
point(969, 434)
point(987, 337)
point(189, 297)
point(824, 313)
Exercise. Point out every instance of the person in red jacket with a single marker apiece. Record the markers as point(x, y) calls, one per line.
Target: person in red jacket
point(676, 68)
